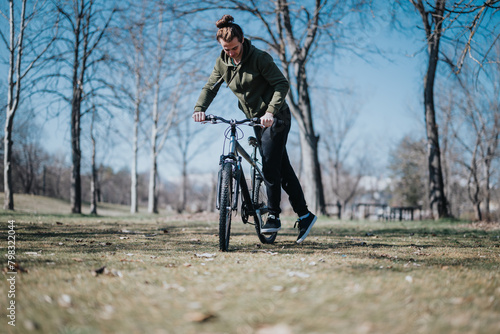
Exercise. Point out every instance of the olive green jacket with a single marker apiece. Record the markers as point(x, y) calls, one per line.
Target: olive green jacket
point(256, 81)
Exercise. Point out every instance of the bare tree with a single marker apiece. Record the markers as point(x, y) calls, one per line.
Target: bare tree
point(338, 121)
point(432, 20)
point(408, 171)
point(165, 98)
point(86, 27)
point(476, 128)
point(465, 18)
point(19, 49)
point(132, 42)
point(185, 137)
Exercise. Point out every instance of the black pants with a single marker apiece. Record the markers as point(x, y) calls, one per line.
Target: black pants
point(276, 166)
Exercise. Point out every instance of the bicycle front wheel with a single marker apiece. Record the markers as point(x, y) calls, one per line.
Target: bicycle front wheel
point(225, 206)
point(260, 203)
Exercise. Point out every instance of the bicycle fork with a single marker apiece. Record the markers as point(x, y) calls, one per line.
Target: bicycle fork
point(237, 173)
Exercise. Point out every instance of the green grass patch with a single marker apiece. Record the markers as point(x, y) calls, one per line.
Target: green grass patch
point(164, 274)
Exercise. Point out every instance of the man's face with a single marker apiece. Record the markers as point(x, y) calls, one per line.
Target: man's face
point(233, 49)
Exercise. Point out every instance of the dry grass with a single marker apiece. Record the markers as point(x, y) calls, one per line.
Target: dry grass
point(164, 275)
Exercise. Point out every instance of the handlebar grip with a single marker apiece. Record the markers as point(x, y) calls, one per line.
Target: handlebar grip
point(210, 118)
point(256, 120)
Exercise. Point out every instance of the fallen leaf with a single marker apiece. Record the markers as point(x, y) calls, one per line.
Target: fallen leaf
point(99, 271)
point(205, 255)
point(105, 271)
point(199, 316)
point(173, 286)
point(298, 274)
point(264, 251)
point(115, 273)
point(128, 260)
point(32, 253)
point(64, 300)
point(31, 325)
point(275, 329)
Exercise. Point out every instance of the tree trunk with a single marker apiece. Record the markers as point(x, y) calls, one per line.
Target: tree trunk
point(93, 179)
point(7, 162)
point(76, 183)
point(184, 187)
point(13, 98)
point(76, 102)
point(134, 207)
point(152, 201)
point(152, 194)
point(313, 185)
point(437, 198)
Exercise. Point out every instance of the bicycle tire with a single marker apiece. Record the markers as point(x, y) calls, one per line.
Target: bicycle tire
point(225, 208)
point(259, 200)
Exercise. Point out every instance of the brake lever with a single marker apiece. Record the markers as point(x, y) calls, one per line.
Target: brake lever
point(256, 122)
point(209, 119)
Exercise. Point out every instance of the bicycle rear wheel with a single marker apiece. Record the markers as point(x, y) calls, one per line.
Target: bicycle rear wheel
point(260, 203)
point(225, 206)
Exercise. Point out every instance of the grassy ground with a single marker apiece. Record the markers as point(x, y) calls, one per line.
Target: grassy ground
point(164, 274)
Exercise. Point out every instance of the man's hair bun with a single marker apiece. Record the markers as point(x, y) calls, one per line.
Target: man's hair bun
point(225, 21)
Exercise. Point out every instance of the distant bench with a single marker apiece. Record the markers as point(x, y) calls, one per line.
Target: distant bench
point(404, 213)
point(385, 212)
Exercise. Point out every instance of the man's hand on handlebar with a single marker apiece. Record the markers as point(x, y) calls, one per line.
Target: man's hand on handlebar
point(267, 120)
point(199, 116)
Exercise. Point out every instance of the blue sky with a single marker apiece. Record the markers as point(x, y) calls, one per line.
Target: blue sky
point(390, 88)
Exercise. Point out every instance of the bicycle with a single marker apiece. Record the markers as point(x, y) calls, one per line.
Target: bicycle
point(231, 180)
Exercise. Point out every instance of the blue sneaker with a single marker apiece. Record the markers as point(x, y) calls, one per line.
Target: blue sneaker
point(272, 225)
point(305, 224)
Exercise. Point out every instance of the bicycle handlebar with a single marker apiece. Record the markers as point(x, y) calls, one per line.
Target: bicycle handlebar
point(215, 119)
point(251, 122)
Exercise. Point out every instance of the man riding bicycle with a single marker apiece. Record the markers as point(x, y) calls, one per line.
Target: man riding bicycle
point(261, 90)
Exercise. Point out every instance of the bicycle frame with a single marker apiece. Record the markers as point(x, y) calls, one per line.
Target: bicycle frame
point(231, 181)
point(234, 156)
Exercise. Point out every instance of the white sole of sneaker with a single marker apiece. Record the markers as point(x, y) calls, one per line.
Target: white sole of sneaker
point(307, 232)
point(269, 230)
